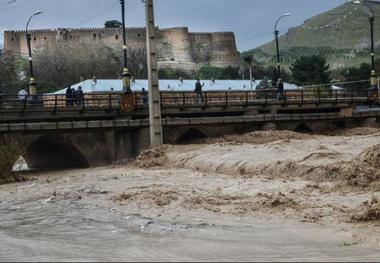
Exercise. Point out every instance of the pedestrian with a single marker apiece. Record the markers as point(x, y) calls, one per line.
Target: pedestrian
point(74, 94)
point(79, 96)
point(68, 95)
point(198, 91)
point(1, 98)
point(144, 96)
point(280, 89)
point(22, 97)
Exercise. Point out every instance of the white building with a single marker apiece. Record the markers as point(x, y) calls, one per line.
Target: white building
point(105, 85)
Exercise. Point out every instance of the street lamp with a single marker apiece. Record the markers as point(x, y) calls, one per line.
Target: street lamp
point(126, 76)
point(365, 3)
point(276, 33)
point(32, 82)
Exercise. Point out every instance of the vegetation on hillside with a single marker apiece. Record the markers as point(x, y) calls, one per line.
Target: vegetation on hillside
point(340, 35)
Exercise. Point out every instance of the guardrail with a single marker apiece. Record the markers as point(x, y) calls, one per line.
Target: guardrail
point(112, 102)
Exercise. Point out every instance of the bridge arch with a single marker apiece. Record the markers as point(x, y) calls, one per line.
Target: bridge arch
point(191, 135)
point(303, 128)
point(54, 151)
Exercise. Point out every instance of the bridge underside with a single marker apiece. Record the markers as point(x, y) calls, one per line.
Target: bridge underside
point(191, 133)
point(98, 146)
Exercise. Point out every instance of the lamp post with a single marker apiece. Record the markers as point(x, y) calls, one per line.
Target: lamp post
point(32, 81)
point(365, 3)
point(126, 76)
point(276, 34)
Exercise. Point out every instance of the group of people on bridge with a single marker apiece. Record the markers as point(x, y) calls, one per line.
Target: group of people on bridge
point(74, 97)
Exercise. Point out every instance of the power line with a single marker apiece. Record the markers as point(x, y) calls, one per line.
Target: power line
point(97, 15)
point(20, 5)
point(7, 2)
point(255, 37)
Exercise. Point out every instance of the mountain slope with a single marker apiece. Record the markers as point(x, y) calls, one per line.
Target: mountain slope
point(342, 35)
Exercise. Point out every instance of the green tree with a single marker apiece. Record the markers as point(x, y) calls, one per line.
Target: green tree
point(169, 73)
point(310, 70)
point(64, 63)
point(11, 148)
point(230, 73)
point(113, 24)
point(356, 74)
point(209, 72)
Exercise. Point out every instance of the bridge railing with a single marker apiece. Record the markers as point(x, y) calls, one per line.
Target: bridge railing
point(265, 97)
point(59, 103)
point(111, 102)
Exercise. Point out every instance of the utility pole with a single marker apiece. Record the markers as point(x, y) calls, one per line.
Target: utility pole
point(250, 76)
point(373, 71)
point(156, 137)
point(249, 61)
point(367, 5)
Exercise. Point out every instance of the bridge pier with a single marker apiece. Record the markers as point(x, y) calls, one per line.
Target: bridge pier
point(370, 122)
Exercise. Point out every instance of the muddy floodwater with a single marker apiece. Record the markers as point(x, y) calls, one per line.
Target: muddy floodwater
point(266, 196)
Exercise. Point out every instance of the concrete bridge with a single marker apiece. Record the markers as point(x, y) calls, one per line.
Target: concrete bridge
point(96, 131)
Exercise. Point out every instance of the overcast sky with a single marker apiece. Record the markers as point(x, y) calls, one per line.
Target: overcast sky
point(251, 20)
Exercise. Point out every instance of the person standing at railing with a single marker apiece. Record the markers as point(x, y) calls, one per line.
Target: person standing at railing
point(74, 98)
point(22, 96)
point(79, 96)
point(198, 91)
point(280, 89)
point(68, 96)
point(144, 96)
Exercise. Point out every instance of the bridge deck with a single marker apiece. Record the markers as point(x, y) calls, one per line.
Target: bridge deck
point(128, 123)
point(174, 104)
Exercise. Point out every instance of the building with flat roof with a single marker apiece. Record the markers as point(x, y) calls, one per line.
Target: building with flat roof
point(106, 85)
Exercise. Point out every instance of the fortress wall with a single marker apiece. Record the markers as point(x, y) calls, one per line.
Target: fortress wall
point(202, 47)
point(176, 46)
point(11, 43)
point(225, 49)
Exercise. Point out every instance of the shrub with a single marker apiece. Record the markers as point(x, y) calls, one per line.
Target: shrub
point(10, 151)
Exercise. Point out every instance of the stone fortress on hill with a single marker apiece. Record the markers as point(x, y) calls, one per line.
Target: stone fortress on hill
point(177, 47)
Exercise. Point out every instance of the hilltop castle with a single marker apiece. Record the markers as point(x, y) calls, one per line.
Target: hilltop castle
point(177, 47)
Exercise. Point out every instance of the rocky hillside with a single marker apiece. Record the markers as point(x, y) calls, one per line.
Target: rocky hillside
point(341, 35)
